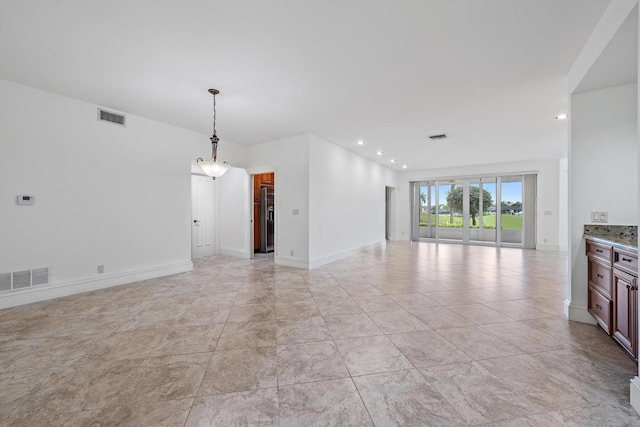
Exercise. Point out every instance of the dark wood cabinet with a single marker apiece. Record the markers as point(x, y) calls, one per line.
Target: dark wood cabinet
point(612, 288)
point(600, 308)
point(625, 319)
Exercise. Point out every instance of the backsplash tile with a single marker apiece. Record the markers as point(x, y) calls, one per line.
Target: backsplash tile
point(611, 230)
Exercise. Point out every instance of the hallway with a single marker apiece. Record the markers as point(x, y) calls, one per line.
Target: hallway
point(404, 334)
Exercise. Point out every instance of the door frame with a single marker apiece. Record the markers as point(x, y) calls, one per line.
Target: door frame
point(251, 225)
point(390, 212)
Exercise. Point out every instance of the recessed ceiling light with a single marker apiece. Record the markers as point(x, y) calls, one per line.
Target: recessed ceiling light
point(393, 160)
point(561, 117)
point(404, 166)
point(379, 153)
point(360, 142)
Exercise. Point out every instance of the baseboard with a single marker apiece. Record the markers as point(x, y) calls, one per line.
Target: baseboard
point(235, 253)
point(577, 313)
point(309, 265)
point(292, 262)
point(548, 248)
point(47, 292)
point(340, 255)
point(634, 394)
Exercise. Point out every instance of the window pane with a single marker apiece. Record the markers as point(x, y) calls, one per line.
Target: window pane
point(427, 210)
point(450, 219)
point(482, 210)
point(511, 209)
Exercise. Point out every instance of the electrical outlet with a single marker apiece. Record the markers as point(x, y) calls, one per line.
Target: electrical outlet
point(100, 269)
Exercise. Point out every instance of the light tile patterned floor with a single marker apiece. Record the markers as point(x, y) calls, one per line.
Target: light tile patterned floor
point(406, 334)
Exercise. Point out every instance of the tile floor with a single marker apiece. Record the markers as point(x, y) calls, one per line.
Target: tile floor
point(406, 334)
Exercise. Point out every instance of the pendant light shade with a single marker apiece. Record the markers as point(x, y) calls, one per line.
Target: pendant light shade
point(212, 167)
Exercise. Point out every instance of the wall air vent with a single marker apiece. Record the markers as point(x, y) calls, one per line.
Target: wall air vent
point(24, 279)
point(111, 117)
point(438, 137)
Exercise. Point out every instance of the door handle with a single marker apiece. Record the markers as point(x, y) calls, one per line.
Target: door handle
point(195, 221)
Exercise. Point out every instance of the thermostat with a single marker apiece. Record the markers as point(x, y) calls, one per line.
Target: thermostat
point(25, 200)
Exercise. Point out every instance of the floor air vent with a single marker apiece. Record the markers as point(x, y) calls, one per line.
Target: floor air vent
point(24, 279)
point(108, 116)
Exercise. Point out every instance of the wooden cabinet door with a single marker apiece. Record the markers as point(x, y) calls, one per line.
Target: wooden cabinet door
point(625, 311)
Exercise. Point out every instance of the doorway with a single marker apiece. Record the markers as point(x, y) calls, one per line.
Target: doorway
point(202, 216)
point(388, 213)
point(264, 213)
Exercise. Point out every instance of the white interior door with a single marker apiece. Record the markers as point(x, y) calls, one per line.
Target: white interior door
point(202, 217)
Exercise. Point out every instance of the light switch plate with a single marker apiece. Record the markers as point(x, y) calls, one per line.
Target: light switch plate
point(599, 216)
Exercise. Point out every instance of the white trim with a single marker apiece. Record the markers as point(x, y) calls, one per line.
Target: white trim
point(340, 255)
point(634, 394)
point(292, 262)
point(47, 292)
point(578, 313)
point(235, 253)
point(311, 264)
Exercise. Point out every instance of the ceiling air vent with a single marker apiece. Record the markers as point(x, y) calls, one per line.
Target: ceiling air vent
point(438, 137)
point(108, 116)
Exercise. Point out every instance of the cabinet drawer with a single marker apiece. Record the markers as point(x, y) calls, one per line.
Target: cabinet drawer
point(600, 308)
point(626, 261)
point(600, 276)
point(600, 251)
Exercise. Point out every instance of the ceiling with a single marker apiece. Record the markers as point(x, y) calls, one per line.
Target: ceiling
point(618, 63)
point(491, 74)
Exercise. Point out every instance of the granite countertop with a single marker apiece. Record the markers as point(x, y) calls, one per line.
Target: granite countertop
point(622, 236)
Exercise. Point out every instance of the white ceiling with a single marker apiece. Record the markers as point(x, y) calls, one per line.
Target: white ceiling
point(489, 73)
point(618, 64)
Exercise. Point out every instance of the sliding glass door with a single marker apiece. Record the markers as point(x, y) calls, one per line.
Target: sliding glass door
point(482, 209)
point(511, 211)
point(428, 214)
point(451, 209)
point(494, 210)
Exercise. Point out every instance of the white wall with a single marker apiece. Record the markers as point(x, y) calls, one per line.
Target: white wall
point(547, 226)
point(563, 217)
point(233, 206)
point(104, 194)
point(347, 201)
point(603, 172)
point(289, 159)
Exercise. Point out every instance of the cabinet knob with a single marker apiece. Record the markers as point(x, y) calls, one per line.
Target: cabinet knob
point(600, 276)
point(599, 251)
point(598, 306)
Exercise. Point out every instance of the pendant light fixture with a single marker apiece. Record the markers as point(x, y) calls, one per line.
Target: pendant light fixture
point(212, 167)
